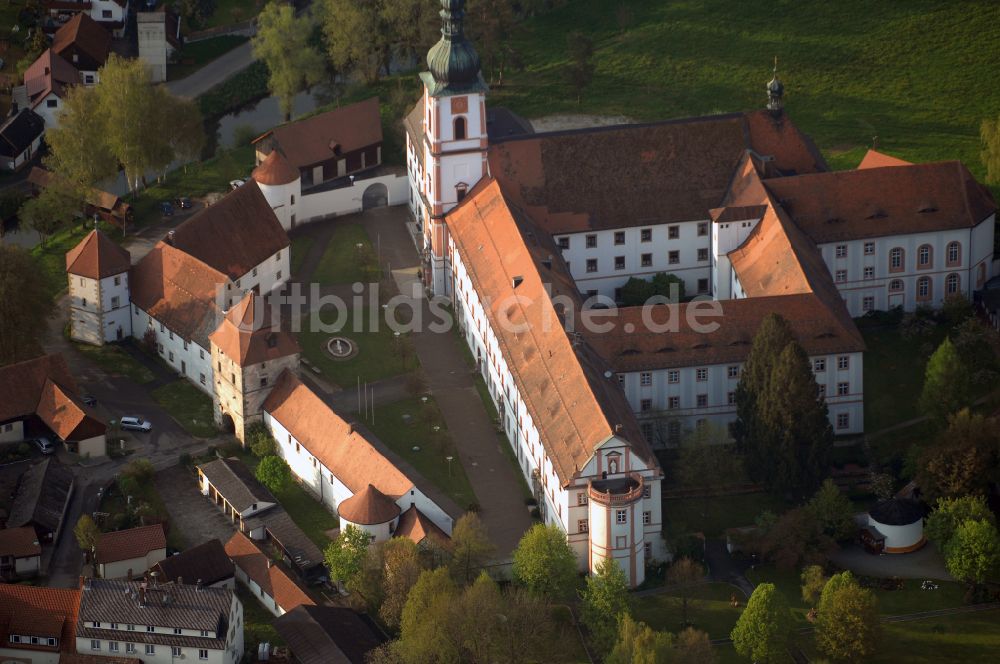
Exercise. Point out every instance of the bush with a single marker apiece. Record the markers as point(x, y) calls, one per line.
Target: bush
point(259, 440)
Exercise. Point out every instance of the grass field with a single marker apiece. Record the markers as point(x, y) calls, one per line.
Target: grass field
point(430, 460)
point(191, 407)
point(910, 73)
point(709, 610)
point(301, 244)
point(228, 12)
point(343, 262)
point(116, 362)
point(714, 515)
point(378, 351)
point(195, 56)
point(967, 637)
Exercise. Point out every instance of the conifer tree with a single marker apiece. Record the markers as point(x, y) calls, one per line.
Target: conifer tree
point(771, 338)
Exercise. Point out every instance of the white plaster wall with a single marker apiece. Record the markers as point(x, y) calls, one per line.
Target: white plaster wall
point(268, 275)
point(120, 568)
point(197, 361)
point(16, 162)
point(18, 656)
point(13, 434)
point(379, 532)
point(49, 113)
point(284, 200)
point(348, 200)
point(899, 537)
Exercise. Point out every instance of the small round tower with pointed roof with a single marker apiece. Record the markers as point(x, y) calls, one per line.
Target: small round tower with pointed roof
point(281, 185)
point(372, 511)
point(775, 92)
point(97, 272)
point(249, 352)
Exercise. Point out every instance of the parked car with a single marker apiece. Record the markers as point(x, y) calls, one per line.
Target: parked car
point(135, 423)
point(88, 400)
point(166, 208)
point(183, 203)
point(44, 445)
point(236, 184)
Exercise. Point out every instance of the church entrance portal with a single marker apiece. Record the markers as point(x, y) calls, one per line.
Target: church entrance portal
point(376, 195)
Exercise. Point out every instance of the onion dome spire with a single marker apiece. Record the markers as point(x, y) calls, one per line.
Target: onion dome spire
point(453, 63)
point(775, 91)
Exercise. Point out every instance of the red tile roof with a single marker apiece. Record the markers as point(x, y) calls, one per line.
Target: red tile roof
point(49, 73)
point(247, 336)
point(87, 36)
point(275, 170)
point(413, 524)
point(878, 202)
point(875, 159)
point(97, 256)
point(131, 543)
point(561, 381)
point(19, 542)
point(368, 507)
point(22, 384)
point(235, 235)
point(270, 576)
point(37, 611)
point(64, 413)
point(324, 136)
point(335, 442)
point(178, 290)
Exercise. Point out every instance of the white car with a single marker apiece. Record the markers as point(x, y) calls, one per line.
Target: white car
point(44, 445)
point(135, 423)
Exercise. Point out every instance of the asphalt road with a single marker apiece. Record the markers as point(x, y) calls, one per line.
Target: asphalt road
point(213, 73)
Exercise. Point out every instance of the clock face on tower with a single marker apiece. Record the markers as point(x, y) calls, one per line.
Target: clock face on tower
point(459, 104)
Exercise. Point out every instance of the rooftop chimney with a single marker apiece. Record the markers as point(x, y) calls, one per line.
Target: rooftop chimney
point(152, 576)
point(198, 585)
point(170, 238)
point(142, 595)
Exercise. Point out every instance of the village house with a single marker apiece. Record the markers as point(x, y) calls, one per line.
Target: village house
point(46, 83)
point(159, 623)
point(20, 139)
point(111, 15)
point(124, 553)
point(328, 635)
point(39, 397)
point(267, 580)
point(37, 625)
point(41, 499)
point(206, 564)
point(83, 43)
point(20, 553)
point(524, 233)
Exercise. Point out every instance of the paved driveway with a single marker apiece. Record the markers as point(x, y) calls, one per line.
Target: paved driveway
point(193, 517)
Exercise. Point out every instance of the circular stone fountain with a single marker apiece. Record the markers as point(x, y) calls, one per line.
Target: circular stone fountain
point(341, 348)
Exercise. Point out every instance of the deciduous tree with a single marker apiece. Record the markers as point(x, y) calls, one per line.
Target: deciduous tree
point(682, 574)
point(78, 150)
point(973, 552)
point(947, 386)
point(605, 601)
point(949, 513)
point(274, 473)
point(638, 643)
point(832, 511)
point(356, 36)
point(425, 634)
point(57, 206)
point(471, 547)
point(490, 25)
point(849, 628)
point(813, 580)
point(963, 460)
point(87, 533)
point(345, 555)
point(833, 584)
point(282, 42)
point(763, 629)
point(260, 441)
point(794, 540)
point(544, 563)
point(637, 292)
point(400, 566)
point(692, 646)
point(24, 305)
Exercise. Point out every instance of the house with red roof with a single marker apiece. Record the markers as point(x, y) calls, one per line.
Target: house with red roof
point(110, 15)
point(269, 581)
point(20, 553)
point(37, 624)
point(123, 553)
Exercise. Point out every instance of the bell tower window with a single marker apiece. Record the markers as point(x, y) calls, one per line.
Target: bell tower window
point(459, 128)
point(461, 189)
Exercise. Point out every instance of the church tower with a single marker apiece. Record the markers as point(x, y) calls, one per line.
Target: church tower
point(775, 92)
point(454, 136)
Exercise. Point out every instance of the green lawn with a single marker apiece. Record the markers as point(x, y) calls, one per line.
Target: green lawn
point(306, 511)
point(572, 649)
point(430, 461)
point(301, 244)
point(966, 637)
point(191, 407)
point(196, 179)
point(380, 355)
point(231, 11)
point(116, 362)
point(195, 56)
point(343, 262)
point(709, 609)
point(852, 69)
point(714, 515)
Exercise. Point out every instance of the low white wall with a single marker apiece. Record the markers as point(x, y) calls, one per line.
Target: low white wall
point(347, 200)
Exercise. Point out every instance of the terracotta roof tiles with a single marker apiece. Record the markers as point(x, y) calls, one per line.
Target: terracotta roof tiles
point(206, 562)
point(876, 159)
point(270, 576)
point(97, 256)
point(19, 542)
point(415, 525)
point(37, 611)
point(131, 543)
point(82, 33)
point(275, 170)
point(21, 384)
point(368, 507)
point(247, 336)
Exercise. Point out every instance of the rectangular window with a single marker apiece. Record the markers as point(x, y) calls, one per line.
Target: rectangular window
point(621, 516)
point(150, 628)
point(278, 276)
point(175, 651)
point(591, 265)
point(733, 371)
point(673, 232)
point(731, 398)
point(868, 303)
point(647, 550)
point(255, 272)
point(843, 420)
point(844, 362)
point(96, 625)
point(702, 228)
point(619, 262)
point(130, 627)
point(95, 644)
point(646, 491)
point(646, 405)
point(843, 389)
point(673, 376)
point(869, 272)
point(673, 403)
point(647, 518)
point(703, 285)
point(841, 276)
point(646, 378)
point(202, 653)
point(178, 630)
point(674, 257)
point(150, 649)
point(819, 364)
point(646, 260)
point(703, 254)
point(115, 302)
point(582, 526)
point(841, 251)
point(646, 235)
point(702, 400)
point(701, 374)
point(171, 355)
point(591, 241)
point(869, 248)
point(263, 381)
point(619, 237)
point(581, 498)
point(564, 243)
point(51, 103)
